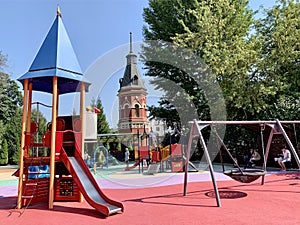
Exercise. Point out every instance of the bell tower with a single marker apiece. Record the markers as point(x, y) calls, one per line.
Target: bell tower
point(132, 98)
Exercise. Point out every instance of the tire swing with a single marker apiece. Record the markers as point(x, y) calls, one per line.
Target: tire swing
point(238, 174)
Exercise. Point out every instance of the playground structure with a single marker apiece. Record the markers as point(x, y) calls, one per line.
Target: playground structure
point(105, 154)
point(143, 152)
point(102, 158)
point(157, 158)
point(60, 173)
point(244, 176)
point(170, 156)
point(65, 175)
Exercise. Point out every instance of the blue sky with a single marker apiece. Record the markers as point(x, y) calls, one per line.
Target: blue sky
point(95, 27)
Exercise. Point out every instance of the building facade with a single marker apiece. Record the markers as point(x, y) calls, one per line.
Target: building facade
point(132, 98)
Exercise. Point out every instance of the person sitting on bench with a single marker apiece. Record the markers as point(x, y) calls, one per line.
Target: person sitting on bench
point(255, 157)
point(286, 157)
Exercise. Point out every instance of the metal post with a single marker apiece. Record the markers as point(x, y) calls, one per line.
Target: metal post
point(289, 143)
point(210, 166)
point(262, 127)
point(223, 144)
point(267, 152)
point(187, 158)
point(199, 134)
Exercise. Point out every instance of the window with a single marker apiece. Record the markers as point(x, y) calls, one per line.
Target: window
point(135, 80)
point(137, 110)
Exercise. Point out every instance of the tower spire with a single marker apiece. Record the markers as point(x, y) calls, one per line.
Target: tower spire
point(130, 34)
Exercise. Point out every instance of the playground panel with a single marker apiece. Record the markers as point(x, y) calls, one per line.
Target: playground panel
point(36, 186)
point(72, 176)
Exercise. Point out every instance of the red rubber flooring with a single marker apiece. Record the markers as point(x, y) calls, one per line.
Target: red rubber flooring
point(275, 202)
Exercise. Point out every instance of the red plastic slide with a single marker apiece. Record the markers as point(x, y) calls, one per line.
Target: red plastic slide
point(88, 185)
point(134, 165)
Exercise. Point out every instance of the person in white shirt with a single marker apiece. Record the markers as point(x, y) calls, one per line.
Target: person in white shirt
point(286, 157)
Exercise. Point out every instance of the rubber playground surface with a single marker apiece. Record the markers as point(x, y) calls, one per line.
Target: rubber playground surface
point(158, 199)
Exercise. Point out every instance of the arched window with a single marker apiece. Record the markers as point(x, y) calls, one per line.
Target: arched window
point(126, 110)
point(135, 80)
point(137, 110)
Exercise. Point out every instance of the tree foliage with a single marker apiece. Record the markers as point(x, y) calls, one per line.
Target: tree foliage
point(166, 112)
point(10, 96)
point(164, 20)
point(225, 43)
point(2, 150)
point(40, 119)
point(10, 116)
point(102, 124)
point(255, 62)
point(278, 34)
point(216, 31)
point(4, 153)
point(3, 60)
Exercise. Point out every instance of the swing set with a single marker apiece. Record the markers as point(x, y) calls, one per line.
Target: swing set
point(238, 174)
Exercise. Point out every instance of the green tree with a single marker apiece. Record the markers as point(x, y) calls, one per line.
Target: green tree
point(15, 159)
point(10, 114)
point(4, 153)
point(225, 43)
point(2, 132)
point(40, 119)
point(164, 20)
point(219, 33)
point(102, 125)
point(166, 111)
point(107, 145)
point(10, 96)
point(119, 146)
point(255, 62)
point(3, 60)
point(13, 135)
point(278, 34)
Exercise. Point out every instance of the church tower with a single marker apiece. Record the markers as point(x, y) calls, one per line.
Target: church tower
point(132, 98)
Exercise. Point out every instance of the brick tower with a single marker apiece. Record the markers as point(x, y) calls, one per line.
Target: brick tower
point(132, 98)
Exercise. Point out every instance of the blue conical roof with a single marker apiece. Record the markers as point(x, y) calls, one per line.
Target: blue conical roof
point(55, 57)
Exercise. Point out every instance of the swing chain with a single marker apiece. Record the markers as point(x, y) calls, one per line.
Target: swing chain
point(262, 126)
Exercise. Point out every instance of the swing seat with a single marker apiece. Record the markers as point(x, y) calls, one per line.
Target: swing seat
point(248, 175)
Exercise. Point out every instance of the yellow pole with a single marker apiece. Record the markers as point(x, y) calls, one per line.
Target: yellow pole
point(52, 149)
point(29, 107)
point(57, 100)
point(82, 119)
point(21, 171)
point(82, 115)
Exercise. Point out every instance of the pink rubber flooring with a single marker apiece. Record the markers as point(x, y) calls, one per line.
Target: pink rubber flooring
point(275, 202)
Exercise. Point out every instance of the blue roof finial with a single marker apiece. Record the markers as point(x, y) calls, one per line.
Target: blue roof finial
point(58, 12)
